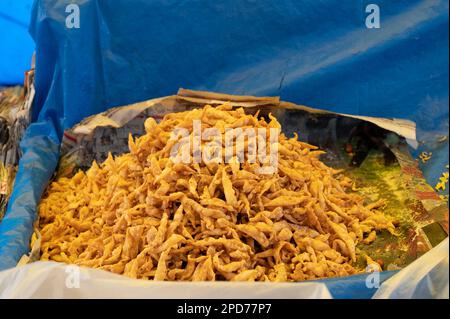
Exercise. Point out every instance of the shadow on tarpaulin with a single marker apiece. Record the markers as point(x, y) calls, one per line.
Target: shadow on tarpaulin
point(315, 53)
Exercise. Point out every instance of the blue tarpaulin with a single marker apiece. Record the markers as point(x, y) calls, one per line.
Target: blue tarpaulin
point(16, 44)
point(316, 53)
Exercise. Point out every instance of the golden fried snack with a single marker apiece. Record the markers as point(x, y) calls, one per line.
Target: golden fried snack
point(146, 216)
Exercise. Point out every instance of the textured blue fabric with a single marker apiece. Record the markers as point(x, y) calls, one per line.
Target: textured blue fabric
point(40, 147)
point(16, 44)
point(317, 53)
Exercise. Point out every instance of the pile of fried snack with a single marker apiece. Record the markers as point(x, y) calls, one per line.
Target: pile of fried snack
point(145, 216)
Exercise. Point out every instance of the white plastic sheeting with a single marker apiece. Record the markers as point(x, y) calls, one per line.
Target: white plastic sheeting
point(57, 280)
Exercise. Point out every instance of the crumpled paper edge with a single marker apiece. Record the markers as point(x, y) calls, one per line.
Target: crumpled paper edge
point(404, 128)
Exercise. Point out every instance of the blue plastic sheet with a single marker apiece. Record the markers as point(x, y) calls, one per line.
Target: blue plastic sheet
point(40, 146)
point(317, 53)
point(16, 44)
